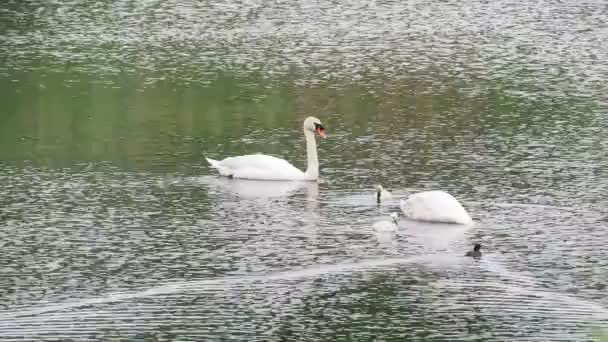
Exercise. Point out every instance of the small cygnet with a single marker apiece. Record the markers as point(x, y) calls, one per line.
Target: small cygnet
point(386, 226)
point(382, 194)
point(476, 252)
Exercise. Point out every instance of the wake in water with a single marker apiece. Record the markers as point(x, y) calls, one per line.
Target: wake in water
point(213, 284)
point(526, 285)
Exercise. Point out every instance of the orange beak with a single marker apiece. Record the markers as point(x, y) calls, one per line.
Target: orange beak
point(321, 132)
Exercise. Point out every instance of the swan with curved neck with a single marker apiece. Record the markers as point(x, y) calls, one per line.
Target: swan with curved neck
point(382, 194)
point(430, 206)
point(265, 167)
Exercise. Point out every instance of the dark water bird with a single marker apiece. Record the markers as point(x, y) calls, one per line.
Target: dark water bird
point(476, 252)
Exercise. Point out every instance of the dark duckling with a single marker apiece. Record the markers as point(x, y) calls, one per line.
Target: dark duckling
point(476, 252)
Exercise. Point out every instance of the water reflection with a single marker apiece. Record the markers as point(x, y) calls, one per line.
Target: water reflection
point(435, 236)
point(110, 227)
point(263, 189)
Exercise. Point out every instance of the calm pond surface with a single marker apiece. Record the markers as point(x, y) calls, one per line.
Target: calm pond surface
point(112, 227)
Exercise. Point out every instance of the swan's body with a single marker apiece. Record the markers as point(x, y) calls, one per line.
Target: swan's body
point(258, 166)
point(435, 206)
point(264, 167)
point(430, 206)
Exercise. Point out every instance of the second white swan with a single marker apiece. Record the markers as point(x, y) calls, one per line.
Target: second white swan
point(430, 206)
point(265, 167)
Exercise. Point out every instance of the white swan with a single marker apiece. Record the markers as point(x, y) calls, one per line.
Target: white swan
point(265, 167)
point(431, 206)
point(435, 206)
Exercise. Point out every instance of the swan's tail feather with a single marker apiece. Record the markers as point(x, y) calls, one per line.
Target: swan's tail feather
point(213, 163)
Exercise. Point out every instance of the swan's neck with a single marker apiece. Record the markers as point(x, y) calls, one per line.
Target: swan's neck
point(312, 169)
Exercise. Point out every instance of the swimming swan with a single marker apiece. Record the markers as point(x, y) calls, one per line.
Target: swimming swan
point(431, 206)
point(435, 206)
point(265, 167)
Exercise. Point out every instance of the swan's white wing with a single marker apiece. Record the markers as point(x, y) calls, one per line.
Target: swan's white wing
point(258, 166)
point(258, 161)
point(435, 206)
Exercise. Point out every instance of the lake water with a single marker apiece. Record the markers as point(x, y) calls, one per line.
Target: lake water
point(112, 227)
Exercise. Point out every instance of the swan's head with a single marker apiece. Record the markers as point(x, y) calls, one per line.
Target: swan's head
point(313, 125)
